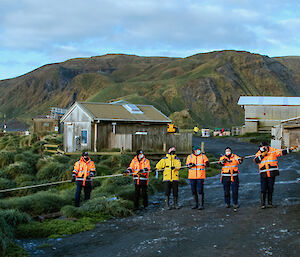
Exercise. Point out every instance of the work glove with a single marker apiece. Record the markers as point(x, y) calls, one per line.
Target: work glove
point(207, 164)
point(146, 169)
point(241, 159)
point(73, 178)
point(224, 161)
point(173, 168)
point(293, 148)
point(126, 172)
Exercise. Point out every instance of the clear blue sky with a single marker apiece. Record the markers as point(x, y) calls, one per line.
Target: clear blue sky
point(37, 32)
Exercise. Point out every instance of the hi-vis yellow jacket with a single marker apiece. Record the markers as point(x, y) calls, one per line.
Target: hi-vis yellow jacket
point(166, 163)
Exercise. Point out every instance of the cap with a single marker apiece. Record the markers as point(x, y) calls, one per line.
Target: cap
point(264, 143)
point(172, 149)
point(196, 147)
point(85, 154)
point(139, 152)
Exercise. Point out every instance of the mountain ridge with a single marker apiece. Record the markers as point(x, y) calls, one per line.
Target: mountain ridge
point(200, 89)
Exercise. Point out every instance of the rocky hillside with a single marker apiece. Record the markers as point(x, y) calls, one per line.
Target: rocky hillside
point(202, 88)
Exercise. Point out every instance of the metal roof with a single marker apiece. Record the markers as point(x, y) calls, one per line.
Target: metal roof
point(269, 100)
point(117, 112)
point(291, 119)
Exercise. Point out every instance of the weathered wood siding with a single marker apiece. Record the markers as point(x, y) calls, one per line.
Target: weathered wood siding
point(73, 126)
point(44, 125)
point(106, 128)
point(182, 142)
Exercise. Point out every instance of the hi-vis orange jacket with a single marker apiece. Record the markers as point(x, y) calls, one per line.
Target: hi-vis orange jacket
point(268, 163)
point(198, 171)
point(82, 169)
point(137, 168)
point(230, 166)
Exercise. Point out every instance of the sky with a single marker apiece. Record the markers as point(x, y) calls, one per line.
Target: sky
point(37, 32)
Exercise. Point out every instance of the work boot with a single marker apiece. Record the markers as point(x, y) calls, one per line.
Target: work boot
point(168, 203)
point(270, 205)
point(176, 203)
point(201, 206)
point(263, 200)
point(196, 201)
point(235, 207)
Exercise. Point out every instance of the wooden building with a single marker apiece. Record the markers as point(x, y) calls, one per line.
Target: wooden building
point(98, 126)
point(264, 112)
point(49, 123)
point(45, 124)
point(286, 134)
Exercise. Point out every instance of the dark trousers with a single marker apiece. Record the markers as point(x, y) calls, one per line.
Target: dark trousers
point(197, 186)
point(171, 186)
point(87, 191)
point(138, 188)
point(267, 184)
point(227, 183)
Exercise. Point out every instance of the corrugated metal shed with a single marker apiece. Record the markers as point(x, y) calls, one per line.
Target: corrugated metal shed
point(269, 100)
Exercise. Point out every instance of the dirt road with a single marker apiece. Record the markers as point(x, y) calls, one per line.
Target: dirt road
point(215, 231)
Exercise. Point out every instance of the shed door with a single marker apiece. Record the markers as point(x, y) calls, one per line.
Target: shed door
point(70, 136)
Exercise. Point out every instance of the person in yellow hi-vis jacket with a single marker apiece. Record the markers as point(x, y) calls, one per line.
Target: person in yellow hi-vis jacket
point(171, 165)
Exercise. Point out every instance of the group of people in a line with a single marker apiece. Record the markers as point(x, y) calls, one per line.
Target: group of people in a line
point(197, 161)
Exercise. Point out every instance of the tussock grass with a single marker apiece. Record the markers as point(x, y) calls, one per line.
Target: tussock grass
point(6, 158)
point(6, 183)
point(51, 170)
point(6, 235)
point(54, 228)
point(39, 203)
point(18, 168)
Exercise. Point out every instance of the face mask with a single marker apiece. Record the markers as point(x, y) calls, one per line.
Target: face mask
point(227, 153)
point(197, 152)
point(141, 156)
point(262, 149)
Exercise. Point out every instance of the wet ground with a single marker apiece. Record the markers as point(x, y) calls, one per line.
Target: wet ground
point(215, 231)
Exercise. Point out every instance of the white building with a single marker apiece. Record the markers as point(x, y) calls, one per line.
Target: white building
point(264, 112)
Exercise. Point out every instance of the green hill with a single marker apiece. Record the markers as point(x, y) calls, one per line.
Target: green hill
point(202, 88)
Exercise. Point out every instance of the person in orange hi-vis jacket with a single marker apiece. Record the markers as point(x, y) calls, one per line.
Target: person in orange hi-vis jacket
point(197, 161)
point(140, 168)
point(229, 176)
point(266, 158)
point(84, 170)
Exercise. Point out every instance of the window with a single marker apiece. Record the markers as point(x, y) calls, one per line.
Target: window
point(132, 109)
point(46, 124)
point(84, 136)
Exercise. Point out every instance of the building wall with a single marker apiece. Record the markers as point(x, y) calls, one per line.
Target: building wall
point(105, 129)
point(291, 137)
point(73, 131)
point(44, 125)
point(269, 116)
point(287, 133)
point(251, 126)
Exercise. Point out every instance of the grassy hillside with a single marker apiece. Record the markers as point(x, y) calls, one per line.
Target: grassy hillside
point(202, 89)
point(49, 211)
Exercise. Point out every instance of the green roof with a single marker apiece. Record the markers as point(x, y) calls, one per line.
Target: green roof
point(119, 112)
